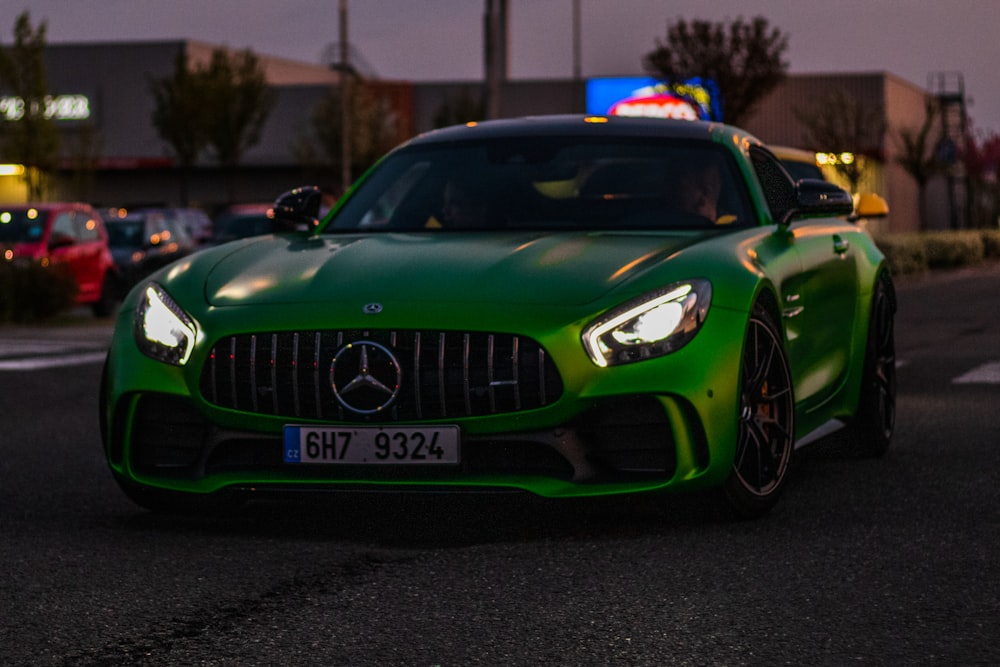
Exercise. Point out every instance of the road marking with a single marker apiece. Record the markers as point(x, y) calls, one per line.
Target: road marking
point(22, 348)
point(38, 363)
point(988, 373)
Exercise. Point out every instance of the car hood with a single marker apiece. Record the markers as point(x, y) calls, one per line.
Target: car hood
point(528, 268)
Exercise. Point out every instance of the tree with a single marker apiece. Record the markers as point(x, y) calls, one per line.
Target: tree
point(179, 118)
point(237, 103)
point(980, 156)
point(32, 139)
point(918, 155)
point(839, 123)
point(372, 130)
point(743, 59)
point(220, 106)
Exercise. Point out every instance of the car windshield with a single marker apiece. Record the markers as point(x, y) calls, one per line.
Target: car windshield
point(550, 184)
point(21, 225)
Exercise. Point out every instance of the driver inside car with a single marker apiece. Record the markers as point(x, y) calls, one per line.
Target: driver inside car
point(698, 190)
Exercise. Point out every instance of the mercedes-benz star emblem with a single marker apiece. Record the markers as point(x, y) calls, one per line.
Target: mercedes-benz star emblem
point(365, 377)
point(372, 308)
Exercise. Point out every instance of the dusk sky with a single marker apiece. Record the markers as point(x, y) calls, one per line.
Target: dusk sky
point(423, 40)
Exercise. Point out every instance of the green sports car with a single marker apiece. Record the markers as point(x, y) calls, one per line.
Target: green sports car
point(565, 306)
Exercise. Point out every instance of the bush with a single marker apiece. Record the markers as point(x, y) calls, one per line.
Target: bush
point(30, 292)
point(904, 253)
point(947, 250)
point(916, 252)
point(991, 243)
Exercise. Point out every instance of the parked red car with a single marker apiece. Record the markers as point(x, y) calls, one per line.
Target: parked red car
point(72, 234)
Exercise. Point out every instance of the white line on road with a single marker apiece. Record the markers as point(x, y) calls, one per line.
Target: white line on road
point(37, 363)
point(13, 348)
point(988, 373)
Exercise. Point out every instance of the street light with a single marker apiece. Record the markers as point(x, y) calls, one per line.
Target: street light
point(345, 103)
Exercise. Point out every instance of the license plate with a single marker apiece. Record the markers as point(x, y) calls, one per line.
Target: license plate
point(372, 445)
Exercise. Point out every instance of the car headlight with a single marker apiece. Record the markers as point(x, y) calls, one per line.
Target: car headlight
point(650, 326)
point(162, 330)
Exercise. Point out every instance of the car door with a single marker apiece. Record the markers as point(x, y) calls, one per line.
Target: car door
point(821, 317)
point(819, 297)
point(91, 260)
point(65, 249)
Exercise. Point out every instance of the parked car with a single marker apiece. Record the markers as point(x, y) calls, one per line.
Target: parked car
point(565, 306)
point(196, 223)
point(800, 163)
point(241, 221)
point(70, 234)
point(145, 240)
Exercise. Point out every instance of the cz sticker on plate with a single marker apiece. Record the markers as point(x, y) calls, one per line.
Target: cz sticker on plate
point(372, 445)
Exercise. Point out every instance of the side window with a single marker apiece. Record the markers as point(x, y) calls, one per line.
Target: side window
point(178, 232)
point(87, 226)
point(779, 189)
point(64, 227)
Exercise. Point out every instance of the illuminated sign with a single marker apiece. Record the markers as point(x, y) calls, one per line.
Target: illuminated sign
point(643, 96)
point(57, 107)
point(654, 106)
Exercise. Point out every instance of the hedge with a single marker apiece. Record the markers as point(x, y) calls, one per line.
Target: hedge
point(916, 252)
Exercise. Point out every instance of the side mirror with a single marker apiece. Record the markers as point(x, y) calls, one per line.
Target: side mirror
point(870, 206)
point(298, 209)
point(816, 198)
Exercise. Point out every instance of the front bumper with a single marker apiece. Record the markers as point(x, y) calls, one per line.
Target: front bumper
point(663, 424)
point(618, 445)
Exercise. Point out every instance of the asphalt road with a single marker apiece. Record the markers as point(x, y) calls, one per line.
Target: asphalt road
point(872, 562)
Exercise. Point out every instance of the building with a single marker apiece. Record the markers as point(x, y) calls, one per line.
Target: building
point(903, 106)
point(112, 155)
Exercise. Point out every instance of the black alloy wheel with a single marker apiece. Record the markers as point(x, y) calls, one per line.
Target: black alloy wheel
point(766, 421)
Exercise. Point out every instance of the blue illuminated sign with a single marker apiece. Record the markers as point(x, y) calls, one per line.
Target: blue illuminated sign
point(646, 96)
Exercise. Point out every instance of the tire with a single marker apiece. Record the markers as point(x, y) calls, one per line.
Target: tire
point(870, 432)
point(109, 298)
point(766, 417)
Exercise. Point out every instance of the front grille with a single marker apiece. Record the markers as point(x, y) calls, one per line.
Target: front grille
point(442, 374)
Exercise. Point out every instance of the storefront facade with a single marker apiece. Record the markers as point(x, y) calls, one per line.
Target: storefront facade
point(111, 154)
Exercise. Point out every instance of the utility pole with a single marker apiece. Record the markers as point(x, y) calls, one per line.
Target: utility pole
point(577, 69)
point(580, 89)
point(345, 102)
point(495, 53)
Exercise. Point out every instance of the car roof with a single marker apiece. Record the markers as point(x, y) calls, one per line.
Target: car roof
point(583, 125)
